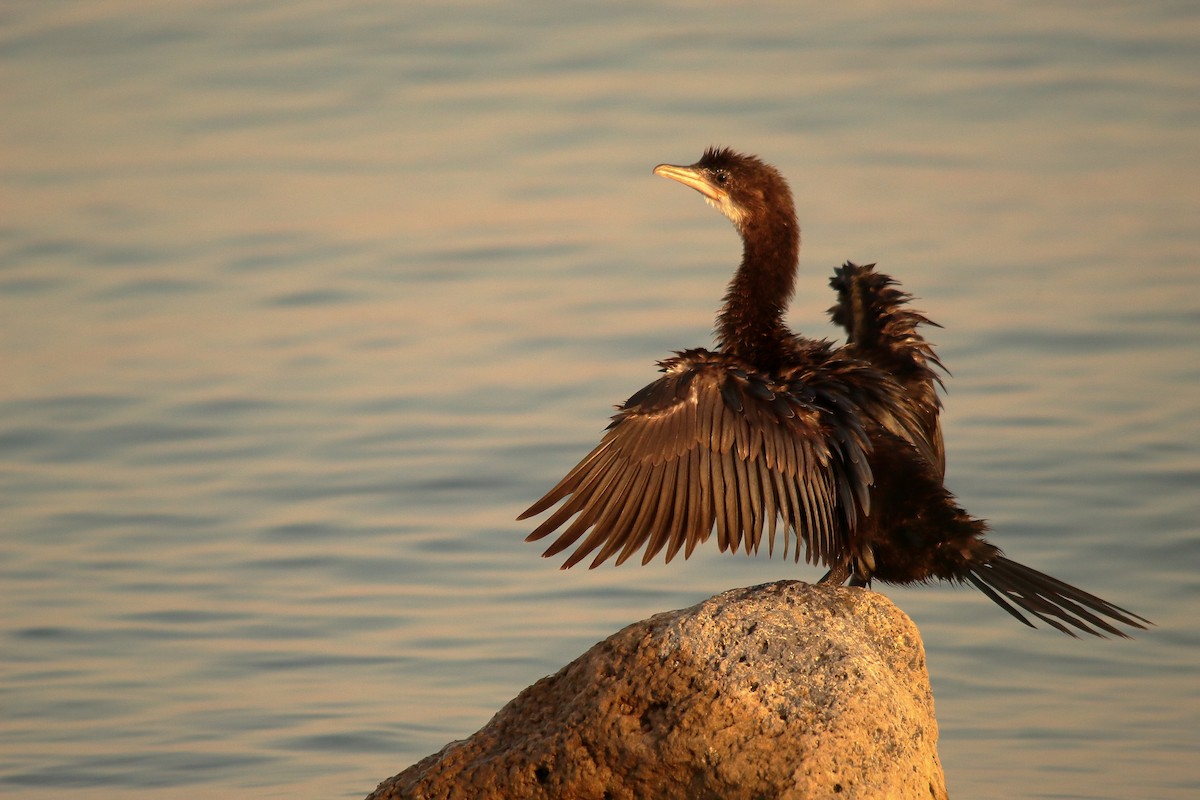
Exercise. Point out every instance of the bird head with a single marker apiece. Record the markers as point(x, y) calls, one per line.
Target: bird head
point(742, 187)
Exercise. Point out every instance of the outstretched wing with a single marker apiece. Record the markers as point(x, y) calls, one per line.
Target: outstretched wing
point(714, 443)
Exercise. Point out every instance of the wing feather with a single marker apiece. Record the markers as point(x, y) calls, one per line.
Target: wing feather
point(706, 502)
point(721, 500)
point(771, 510)
point(607, 512)
point(715, 444)
point(636, 528)
point(671, 495)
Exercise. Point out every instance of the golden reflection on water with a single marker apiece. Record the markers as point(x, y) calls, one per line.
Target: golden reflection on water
point(290, 333)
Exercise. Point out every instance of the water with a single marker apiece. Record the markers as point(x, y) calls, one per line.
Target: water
point(302, 303)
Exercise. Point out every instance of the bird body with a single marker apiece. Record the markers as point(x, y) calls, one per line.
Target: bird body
point(771, 433)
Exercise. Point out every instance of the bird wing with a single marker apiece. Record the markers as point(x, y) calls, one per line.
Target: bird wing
point(883, 330)
point(715, 443)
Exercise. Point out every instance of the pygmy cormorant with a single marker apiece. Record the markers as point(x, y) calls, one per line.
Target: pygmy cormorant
point(843, 445)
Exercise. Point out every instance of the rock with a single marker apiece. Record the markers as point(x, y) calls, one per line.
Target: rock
point(784, 690)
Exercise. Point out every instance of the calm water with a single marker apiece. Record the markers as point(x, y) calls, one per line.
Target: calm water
point(302, 303)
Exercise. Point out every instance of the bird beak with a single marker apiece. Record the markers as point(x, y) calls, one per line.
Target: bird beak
point(689, 176)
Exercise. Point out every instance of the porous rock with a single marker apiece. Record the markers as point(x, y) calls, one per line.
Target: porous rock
point(785, 690)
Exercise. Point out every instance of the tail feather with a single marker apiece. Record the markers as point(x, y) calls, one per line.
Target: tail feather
point(1062, 606)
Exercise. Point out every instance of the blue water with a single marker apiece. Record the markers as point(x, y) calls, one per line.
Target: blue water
point(302, 303)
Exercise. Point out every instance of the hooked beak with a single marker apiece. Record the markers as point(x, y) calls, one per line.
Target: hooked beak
point(689, 176)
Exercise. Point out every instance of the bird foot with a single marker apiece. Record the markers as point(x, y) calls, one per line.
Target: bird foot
point(841, 573)
point(836, 576)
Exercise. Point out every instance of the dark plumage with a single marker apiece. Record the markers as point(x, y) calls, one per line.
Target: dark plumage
point(841, 445)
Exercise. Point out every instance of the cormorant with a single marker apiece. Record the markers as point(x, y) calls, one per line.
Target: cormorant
point(843, 445)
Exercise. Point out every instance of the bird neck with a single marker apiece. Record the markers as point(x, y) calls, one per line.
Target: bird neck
point(750, 325)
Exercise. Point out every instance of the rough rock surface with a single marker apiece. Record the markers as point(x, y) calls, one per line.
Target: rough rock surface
point(784, 690)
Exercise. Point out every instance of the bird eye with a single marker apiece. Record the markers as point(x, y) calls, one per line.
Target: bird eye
point(721, 177)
